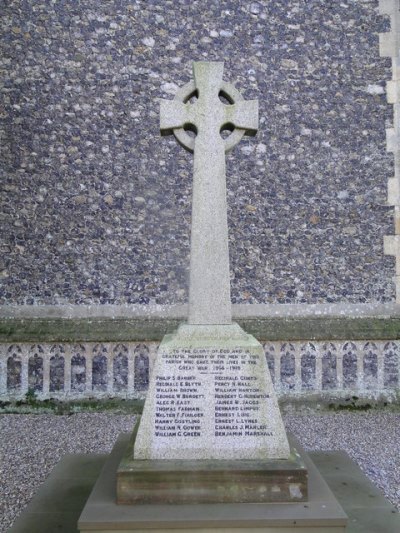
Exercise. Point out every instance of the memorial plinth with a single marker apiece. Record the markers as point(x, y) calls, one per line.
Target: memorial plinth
point(211, 430)
point(210, 481)
point(211, 397)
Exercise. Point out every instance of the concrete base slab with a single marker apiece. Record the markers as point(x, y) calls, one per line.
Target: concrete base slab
point(368, 510)
point(51, 511)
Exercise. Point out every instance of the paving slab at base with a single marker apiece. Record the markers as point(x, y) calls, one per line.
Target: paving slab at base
point(368, 510)
point(322, 513)
point(59, 501)
point(53, 510)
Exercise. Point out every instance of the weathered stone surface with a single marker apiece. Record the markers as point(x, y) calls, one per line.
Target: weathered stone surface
point(389, 47)
point(322, 513)
point(210, 394)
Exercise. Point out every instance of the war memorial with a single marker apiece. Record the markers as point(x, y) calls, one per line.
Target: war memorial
point(210, 451)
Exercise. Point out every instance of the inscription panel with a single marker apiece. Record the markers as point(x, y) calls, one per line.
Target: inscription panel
point(211, 398)
point(210, 393)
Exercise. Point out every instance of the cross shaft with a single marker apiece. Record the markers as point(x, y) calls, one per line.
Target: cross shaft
point(209, 288)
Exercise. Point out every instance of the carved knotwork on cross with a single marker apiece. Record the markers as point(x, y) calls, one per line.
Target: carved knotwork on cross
point(208, 116)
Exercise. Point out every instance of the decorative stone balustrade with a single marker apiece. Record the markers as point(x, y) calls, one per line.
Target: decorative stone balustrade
point(98, 370)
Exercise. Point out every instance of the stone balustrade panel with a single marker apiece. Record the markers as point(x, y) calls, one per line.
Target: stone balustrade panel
point(98, 370)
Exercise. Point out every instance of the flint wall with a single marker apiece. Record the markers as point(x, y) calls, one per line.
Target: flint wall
point(96, 205)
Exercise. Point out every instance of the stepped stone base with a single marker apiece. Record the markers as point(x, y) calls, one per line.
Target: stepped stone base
point(211, 481)
point(101, 514)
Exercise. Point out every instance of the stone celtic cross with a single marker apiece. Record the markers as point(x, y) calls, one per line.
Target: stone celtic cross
point(208, 116)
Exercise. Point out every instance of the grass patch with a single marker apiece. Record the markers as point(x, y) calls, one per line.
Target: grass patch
point(314, 404)
point(30, 404)
point(354, 403)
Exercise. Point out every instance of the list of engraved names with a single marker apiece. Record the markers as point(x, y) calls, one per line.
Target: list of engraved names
point(199, 380)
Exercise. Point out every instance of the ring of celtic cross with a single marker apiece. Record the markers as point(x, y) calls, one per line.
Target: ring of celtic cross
point(230, 93)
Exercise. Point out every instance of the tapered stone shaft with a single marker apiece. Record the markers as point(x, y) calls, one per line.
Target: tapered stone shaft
point(209, 290)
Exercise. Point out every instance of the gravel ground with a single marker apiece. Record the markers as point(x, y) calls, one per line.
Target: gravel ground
point(31, 445)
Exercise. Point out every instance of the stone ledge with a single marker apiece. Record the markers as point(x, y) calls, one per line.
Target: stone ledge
point(275, 322)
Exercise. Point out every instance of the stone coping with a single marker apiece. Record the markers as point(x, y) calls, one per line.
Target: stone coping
point(274, 322)
point(254, 311)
